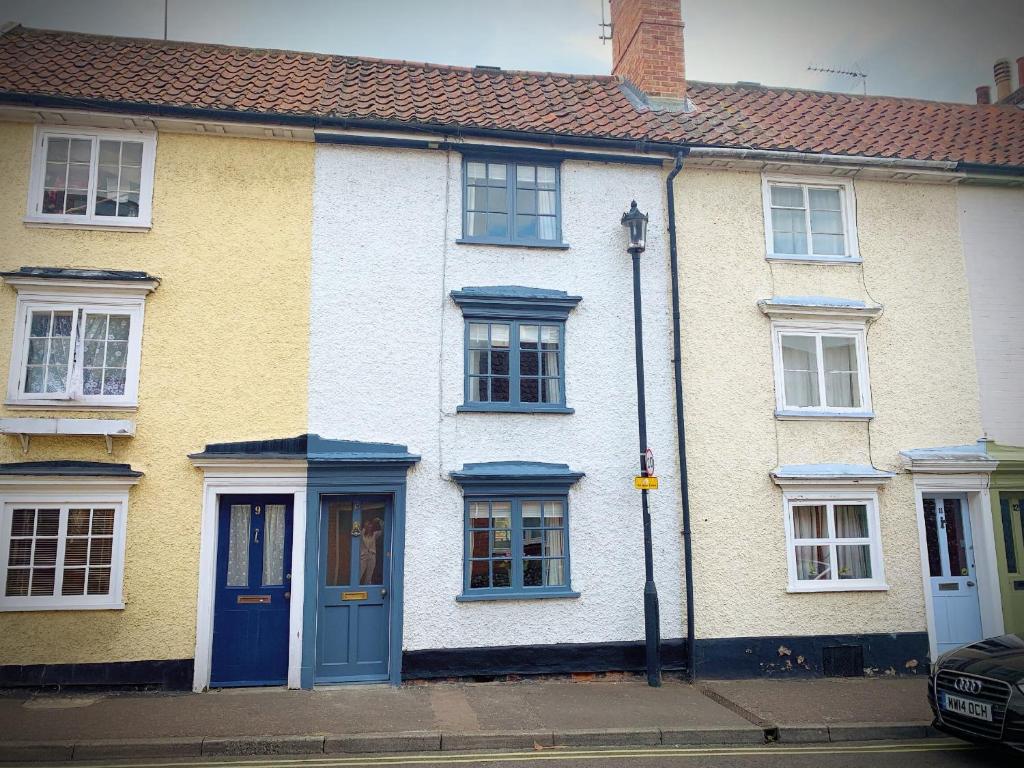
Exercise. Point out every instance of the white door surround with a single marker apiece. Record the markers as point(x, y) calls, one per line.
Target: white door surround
point(972, 485)
point(256, 476)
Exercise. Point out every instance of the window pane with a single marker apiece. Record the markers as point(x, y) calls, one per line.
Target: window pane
point(20, 553)
point(813, 563)
point(553, 543)
point(533, 542)
point(499, 362)
point(56, 176)
point(792, 197)
point(17, 582)
point(851, 521)
point(81, 150)
point(499, 390)
point(526, 173)
point(810, 522)
point(529, 363)
point(47, 522)
point(551, 391)
point(501, 542)
point(479, 514)
point(23, 522)
point(99, 581)
point(853, 562)
point(371, 546)
point(496, 171)
point(102, 522)
point(829, 245)
point(529, 391)
point(547, 228)
point(476, 172)
point(823, 199)
point(547, 177)
point(531, 514)
point(43, 582)
point(842, 387)
point(479, 574)
point(789, 243)
point(499, 335)
point(478, 390)
point(57, 150)
point(546, 202)
point(273, 546)
point(554, 573)
point(497, 225)
point(501, 573)
point(956, 538)
point(76, 552)
point(477, 361)
point(238, 546)
point(479, 545)
point(501, 514)
point(800, 364)
point(526, 227)
point(339, 543)
point(826, 223)
point(497, 200)
point(73, 582)
point(533, 573)
point(526, 201)
point(529, 336)
point(131, 153)
point(477, 224)
point(477, 335)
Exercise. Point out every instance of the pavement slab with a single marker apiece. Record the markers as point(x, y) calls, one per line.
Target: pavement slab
point(821, 702)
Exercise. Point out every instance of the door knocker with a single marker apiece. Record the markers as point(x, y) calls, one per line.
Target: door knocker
point(356, 531)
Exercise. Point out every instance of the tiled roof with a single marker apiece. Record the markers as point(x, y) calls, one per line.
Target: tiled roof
point(158, 75)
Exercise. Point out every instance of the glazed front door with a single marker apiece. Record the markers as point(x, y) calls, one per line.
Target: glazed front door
point(251, 609)
point(1011, 519)
point(954, 585)
point(352, 629)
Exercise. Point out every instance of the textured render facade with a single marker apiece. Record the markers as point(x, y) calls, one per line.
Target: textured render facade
point(992, 227)
point(923, 387)
point(223, 356)
point(387, 364)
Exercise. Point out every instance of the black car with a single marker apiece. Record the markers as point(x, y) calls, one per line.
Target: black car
point(977, 691)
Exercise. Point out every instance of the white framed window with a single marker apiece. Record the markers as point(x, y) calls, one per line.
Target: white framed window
point(77, 340)
point(809, 219)
point(92, 177)
point(833, 542)
point(821, 369)
point(62, 552)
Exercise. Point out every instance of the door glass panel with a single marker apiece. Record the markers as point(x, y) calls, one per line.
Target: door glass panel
point(1008, 541)
point(273, 546)
point(339, 543)
point(955, 538)
point(238, 546)
point(931, 535)
point(371, 545)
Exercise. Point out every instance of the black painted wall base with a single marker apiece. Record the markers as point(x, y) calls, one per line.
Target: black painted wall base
point(537, 659)
point(171, 674)
point(735, 657)
point(904, 653)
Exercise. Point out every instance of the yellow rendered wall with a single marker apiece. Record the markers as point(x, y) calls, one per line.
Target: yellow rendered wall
point(224, 357)
point(923, 384)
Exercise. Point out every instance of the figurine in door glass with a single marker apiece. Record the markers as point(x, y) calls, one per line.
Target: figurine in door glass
point(370, 556)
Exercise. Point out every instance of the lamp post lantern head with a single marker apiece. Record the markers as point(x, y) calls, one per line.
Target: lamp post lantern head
point(637, 224)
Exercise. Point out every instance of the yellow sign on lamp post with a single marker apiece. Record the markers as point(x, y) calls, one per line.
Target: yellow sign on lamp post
point(642, 483)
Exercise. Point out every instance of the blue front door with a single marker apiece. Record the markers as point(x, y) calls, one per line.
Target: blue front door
point(353, 593)
point(954, 584)
point(250, 624)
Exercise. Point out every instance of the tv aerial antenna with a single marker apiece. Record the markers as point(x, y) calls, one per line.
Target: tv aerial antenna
point(605, 26)
point(854, 73)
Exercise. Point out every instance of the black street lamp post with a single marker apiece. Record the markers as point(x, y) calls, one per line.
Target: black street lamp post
point(636, 223)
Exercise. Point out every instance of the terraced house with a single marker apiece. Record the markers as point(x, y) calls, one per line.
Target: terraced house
point(380, 420)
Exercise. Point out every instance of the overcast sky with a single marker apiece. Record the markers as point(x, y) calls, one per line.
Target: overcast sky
point(934, 49)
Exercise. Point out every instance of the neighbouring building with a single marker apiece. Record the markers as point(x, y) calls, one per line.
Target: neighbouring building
point(381, 423)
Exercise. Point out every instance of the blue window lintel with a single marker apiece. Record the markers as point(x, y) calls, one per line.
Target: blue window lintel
point(515, 477)
point(514, 302)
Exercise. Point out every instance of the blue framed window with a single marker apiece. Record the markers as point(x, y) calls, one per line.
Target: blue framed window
point(514, 348)
point(516, 530)
point(511, 202)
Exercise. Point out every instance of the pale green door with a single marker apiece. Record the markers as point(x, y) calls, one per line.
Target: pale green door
point(1011, 520)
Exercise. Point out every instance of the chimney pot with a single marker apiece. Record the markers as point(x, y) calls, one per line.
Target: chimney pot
point(1001, 71)
point(984, 94)
point(647, 46)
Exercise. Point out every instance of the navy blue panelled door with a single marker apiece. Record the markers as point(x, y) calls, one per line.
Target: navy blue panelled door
point(353, 594)
point(254, 563)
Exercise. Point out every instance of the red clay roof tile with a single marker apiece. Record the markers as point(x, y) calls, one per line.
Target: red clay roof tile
point(161, 73)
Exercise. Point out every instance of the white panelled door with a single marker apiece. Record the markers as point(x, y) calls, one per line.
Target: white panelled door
point(954, 584)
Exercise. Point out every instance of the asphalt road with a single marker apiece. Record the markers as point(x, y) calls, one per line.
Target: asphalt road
point(931, 753)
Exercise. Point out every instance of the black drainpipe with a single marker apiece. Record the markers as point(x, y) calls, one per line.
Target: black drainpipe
point(677, 362)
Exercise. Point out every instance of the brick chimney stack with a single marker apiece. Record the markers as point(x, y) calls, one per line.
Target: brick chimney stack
point(1001, 70)
point(984, 94)
point(647, 47)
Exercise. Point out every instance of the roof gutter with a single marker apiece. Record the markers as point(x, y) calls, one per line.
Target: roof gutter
point(677, 369)
point(815, 158)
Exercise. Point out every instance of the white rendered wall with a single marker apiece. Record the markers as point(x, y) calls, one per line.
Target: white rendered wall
point(386, 364)
point(992, 228)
